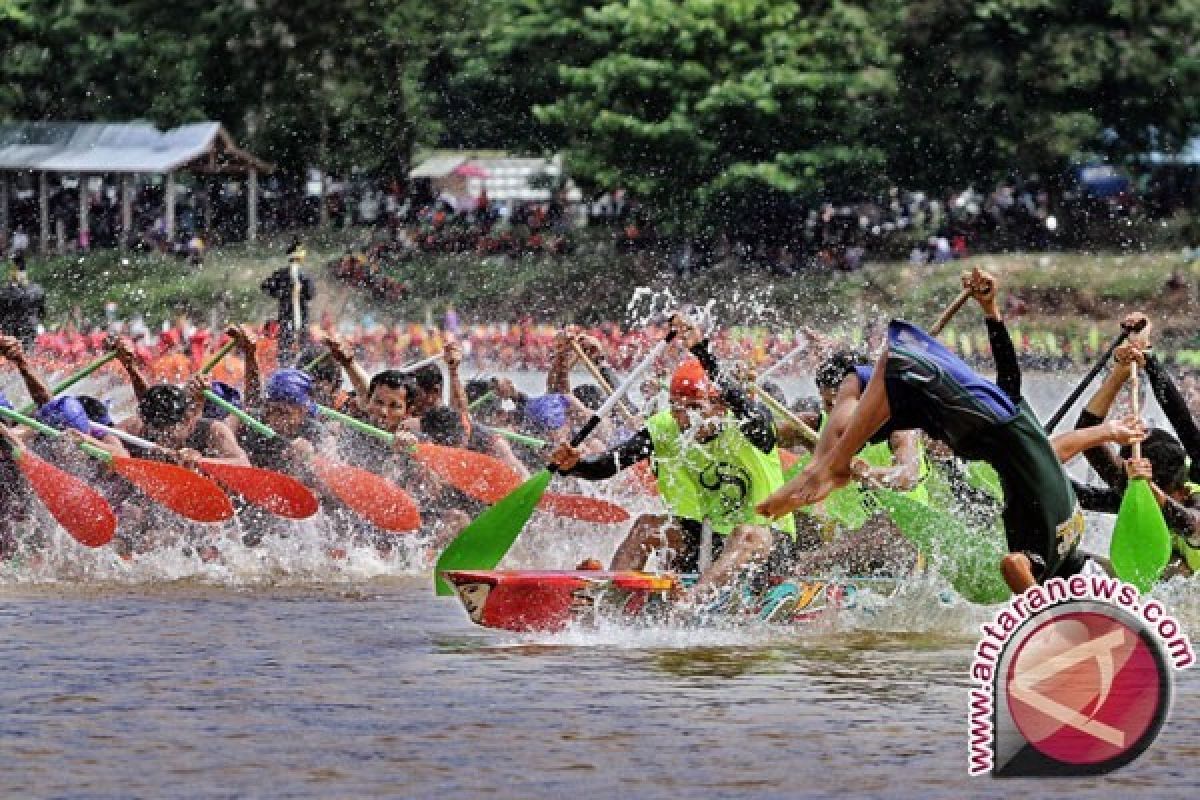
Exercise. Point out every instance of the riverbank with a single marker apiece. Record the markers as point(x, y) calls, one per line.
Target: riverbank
point(1062, 293)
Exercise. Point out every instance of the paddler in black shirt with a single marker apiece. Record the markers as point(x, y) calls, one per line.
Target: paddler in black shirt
point(918, 383)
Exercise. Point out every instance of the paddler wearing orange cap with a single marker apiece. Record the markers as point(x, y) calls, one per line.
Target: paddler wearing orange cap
point(715, 457)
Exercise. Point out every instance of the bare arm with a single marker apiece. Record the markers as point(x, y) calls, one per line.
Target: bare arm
point(223, 445)
point(452, 358)
point(1069, 444)
point(11, 349)
point(558, 378)
point(128, 359)
point(343, 354)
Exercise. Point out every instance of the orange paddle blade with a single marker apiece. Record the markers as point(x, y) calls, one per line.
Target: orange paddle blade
point(477, 475)
point(187, 493)
point(377, 499)
point(586, 509)
point(280, 494)
point(79, 508)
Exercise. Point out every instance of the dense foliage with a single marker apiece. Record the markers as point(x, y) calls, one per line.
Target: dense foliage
point(700, 107)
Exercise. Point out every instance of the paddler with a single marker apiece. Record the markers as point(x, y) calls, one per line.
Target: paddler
point(294, 291)
point(1164, 464)
point(917, 383)
point(714, 452)
point(896, 463)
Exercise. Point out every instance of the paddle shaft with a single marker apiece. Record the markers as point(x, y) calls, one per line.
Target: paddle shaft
point(620, 392)
point(785, 358)
point(129, 438)
point(59, 388)
point(483, 398)
point(1135, 401)
point(356, 424)
point(265, 430)
point(598, 376)
point(519, 438)
point(29, 422)
point(216, 357)
point(1052, 423)
point(781, 410)
point(950, 311)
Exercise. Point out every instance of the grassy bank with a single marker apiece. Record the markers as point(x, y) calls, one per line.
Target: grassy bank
point(1062, 292)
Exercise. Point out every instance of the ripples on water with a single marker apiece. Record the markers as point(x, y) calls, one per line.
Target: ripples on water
point(281, 672)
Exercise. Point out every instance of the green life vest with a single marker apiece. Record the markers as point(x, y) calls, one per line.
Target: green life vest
point(722, 479)
point(1191, 555)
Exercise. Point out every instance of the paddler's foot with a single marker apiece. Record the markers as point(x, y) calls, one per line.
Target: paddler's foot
point(590, 565)
point(811, 486)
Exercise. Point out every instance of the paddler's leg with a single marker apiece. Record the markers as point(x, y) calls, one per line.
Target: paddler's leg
point(1017, 569)
point(831, 470)
point(746, 546)
point(649, 532)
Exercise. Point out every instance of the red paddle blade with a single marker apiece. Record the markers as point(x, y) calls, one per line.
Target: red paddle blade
point(187, 493)
point(376, 499)
point(280, 494)
point(77, 507)
point(586, 509)
point(477, 475)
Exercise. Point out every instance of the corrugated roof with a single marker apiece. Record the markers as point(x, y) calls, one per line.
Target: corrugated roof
point(104, 147)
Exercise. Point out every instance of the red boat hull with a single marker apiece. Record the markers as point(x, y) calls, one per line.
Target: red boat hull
point(541, 600)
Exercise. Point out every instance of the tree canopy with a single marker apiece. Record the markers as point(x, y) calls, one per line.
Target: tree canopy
point(698, 107)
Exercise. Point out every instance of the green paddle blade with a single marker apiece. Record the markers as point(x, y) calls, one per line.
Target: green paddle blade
point(981, 475)
point(969, 559)
point(1141, 543)
point(484, 542)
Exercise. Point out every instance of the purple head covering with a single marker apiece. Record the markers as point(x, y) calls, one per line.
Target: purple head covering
point(291, 386)
point(548, 412)
point(63, 413)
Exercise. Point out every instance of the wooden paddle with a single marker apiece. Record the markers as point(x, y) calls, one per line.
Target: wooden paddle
point(950, 311)
point(1126, 332)
point(489, 537)
point(67, 383)
point(188, 494)
point(1141, 542)
point(601, 381)
point(280, 494)
point(78, 508)
point(374, 498)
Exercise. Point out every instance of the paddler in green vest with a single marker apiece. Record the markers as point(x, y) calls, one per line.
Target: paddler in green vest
point(714, 454)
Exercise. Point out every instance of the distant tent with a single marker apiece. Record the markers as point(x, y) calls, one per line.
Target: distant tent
point(92, 148)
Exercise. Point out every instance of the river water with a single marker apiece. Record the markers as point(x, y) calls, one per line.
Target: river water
point(282, 673)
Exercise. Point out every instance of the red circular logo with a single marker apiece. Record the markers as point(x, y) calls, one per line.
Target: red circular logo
point(1088, 688)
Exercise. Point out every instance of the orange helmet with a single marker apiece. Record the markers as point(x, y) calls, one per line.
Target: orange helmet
point(691, 381)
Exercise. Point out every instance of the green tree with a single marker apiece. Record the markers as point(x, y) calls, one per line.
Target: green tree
point(990, 88)
point(707, 110)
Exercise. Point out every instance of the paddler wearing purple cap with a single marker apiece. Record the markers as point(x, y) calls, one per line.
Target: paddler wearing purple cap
point(288, 408)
